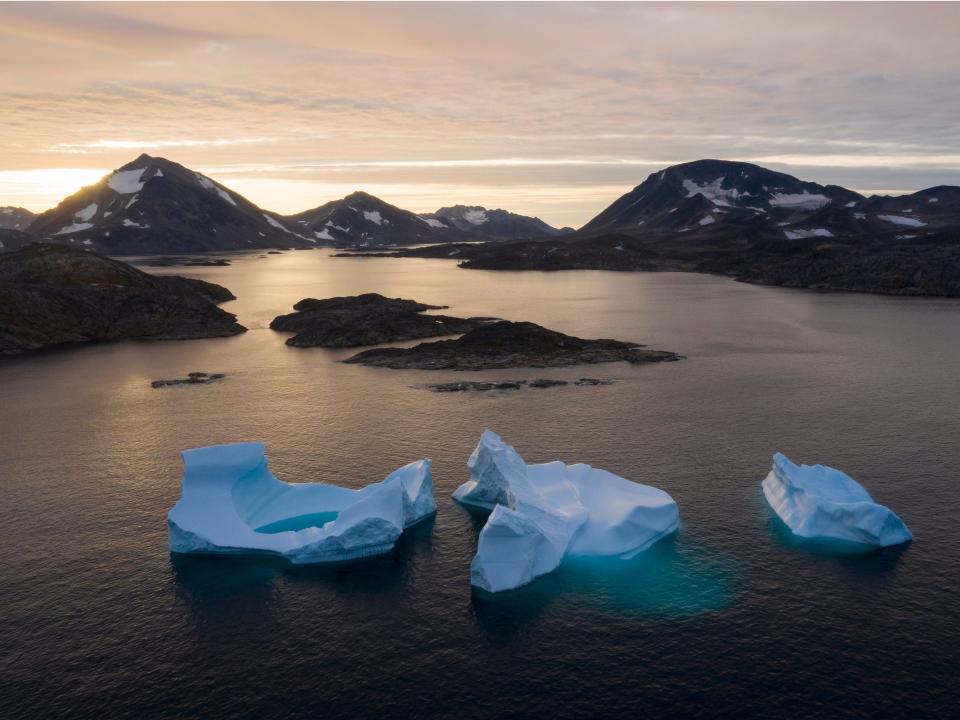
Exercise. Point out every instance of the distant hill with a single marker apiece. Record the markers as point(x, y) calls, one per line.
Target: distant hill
point(15, 218)
point(153, 205)
point(361, 220)
point(478, 222)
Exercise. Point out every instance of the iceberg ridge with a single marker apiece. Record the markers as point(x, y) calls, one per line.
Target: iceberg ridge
point(816, 501)
point(232, 503)
point(542, 513)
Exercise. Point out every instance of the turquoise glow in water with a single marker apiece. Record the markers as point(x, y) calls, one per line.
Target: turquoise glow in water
point(299, 522)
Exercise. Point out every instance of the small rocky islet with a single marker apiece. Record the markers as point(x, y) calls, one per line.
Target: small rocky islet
point(484, 344)
point(506, 344)
point(499, 385)
point(194, 378)
point(368, 319)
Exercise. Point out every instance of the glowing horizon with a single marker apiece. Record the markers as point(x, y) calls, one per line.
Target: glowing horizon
point(551, 110)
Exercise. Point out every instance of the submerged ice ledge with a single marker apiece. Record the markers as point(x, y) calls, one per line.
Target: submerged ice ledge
point(232, 503)
point(542, 513)
point(816, 501)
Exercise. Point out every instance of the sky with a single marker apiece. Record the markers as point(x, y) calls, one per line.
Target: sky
point(545, 109)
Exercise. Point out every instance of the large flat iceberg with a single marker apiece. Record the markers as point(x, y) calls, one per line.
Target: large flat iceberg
point(542, 513)
point(820, 502)
point(232, 503)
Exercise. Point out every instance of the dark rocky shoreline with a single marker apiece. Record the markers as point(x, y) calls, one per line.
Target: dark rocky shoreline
point(53, 295)
point(369, 319)
point(506, 344)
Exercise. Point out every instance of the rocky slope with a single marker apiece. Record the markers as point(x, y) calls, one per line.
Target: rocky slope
point(15, 218)
point(362, 220)
point(507, 344)
point(153, 205)
point(476, 222)
point(368, 319)
point(52, 295)
point(13, 240)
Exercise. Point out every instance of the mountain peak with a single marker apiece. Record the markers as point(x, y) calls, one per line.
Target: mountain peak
point(152, 204)
point(696, 194)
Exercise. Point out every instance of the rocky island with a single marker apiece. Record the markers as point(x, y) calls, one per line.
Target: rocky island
point(53, 295)
point(368, 319)
point(506, 344)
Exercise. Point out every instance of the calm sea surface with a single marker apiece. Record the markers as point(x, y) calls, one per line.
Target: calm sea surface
point(729, 618)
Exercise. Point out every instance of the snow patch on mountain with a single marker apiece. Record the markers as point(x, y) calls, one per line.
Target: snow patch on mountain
point(800, 234)
point(433, 222)
point(714, 192)
point(208, 184)
point(897, 220)
point(374, 216)
point(800, 201)
point(76, 227)
point(708, 220)
point(88, 212)
point(476, 217)
point(323, 234)
point(275, 224)
point(127, 222)
point(125, 182)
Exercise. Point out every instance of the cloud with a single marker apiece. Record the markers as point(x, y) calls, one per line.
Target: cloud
point(565, 98)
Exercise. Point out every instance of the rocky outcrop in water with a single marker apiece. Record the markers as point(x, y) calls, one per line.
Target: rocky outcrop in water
point(194, 378)
point(52, 295)
point(498, 385)
point(368, 319)
point(507, 344)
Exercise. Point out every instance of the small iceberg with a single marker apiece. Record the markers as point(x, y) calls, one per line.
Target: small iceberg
point(542, 513)
point(816, 501)
point(232, 503)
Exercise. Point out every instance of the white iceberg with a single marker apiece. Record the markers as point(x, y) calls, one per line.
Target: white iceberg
point(821, 502)
point(232, 503)
point(542, 513)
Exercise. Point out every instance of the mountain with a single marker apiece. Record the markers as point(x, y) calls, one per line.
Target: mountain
point(53, 295)
point(707, 198)
point(478, 222)
point(706, 192)
point(153, 205)
point(15, 218)
point(362, 220)
point(756, 225)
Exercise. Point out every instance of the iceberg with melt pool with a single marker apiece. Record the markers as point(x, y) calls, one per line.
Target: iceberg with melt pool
point(232, 503)
point(816, 501)
point(543, 513)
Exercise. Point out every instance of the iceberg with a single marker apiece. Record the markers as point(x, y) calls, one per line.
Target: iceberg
point(543, 513)
point(821, 502)
point(232, 503)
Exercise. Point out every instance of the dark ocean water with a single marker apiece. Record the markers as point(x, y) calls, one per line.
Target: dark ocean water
point(730, 618)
